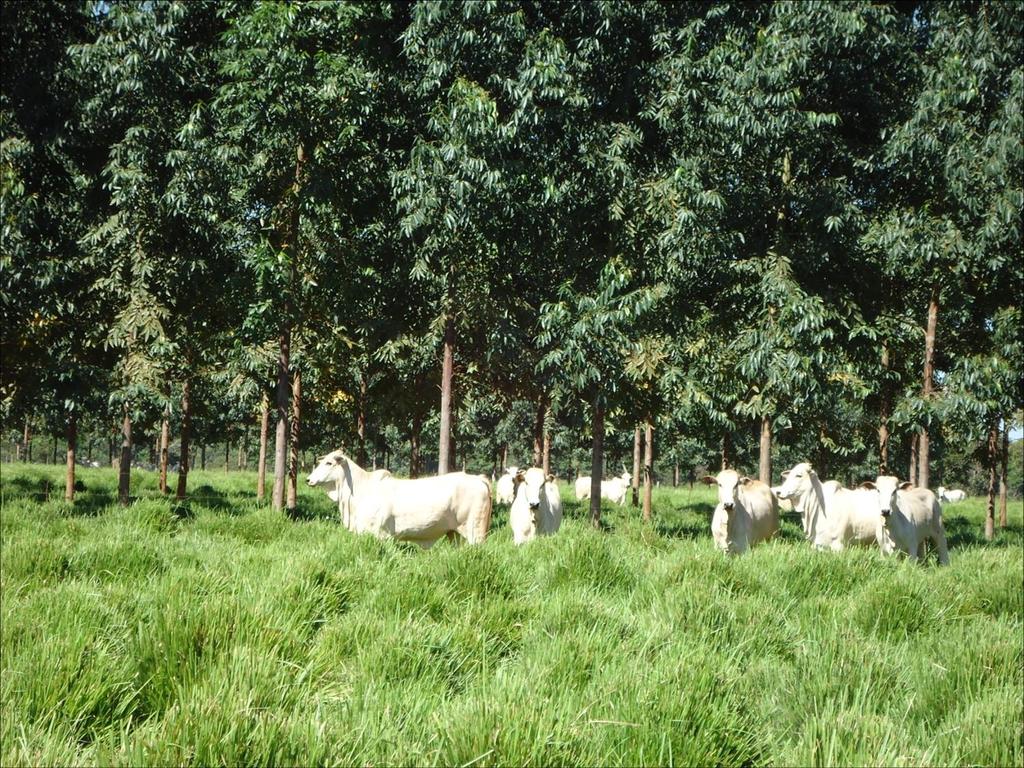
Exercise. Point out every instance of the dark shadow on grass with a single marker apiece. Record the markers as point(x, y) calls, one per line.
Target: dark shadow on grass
point(962, 532)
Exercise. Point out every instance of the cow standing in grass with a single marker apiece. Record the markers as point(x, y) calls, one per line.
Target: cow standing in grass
point(536, 507)
point(833, 517)
point(908, 517)
point(952, 495)
point(614, 490)
point(747, 512)
point(421, 510)
point(505, 487)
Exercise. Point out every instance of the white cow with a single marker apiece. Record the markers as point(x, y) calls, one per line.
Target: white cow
point(505, 487)
point(537, 505)
point(908, 516)
point(832, 516)
point(747, 512)
point(952, 495)
point(614, 489)
point(421, 510)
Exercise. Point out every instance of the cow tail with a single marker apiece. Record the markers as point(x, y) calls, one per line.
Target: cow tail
point(483, 521)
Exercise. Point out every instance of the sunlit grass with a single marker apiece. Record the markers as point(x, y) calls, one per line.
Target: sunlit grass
point(224, 633)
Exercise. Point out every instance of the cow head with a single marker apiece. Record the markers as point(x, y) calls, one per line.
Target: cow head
point(626, 477)
point(530, 483)
point(796, 482)
point(886, 486)
point(331, 473)
point(729, 484)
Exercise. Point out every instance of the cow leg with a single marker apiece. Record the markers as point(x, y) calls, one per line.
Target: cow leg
point(454, 538)
point(912, 554)
point(941, 548)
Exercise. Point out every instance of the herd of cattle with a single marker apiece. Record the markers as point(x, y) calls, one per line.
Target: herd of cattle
point(896, 516)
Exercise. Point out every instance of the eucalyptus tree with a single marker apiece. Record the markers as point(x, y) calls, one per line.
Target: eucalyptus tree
point(452, 192)
point(55, 318)
point(950, 223)
point(291, 111)
point(150, 73)
point(587, 338)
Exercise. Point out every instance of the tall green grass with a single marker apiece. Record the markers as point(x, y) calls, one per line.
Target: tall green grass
point(221, 632)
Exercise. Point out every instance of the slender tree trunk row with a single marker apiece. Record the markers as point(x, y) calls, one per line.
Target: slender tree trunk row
point(72, 438)
point(596, 460)
point(765, 463)
point(261, 470)
point(638, 442)
point(165, 440)
point(293, 465)
point(992, 455)
point(125, 468)
point(186, 434)
point(648, 467)
point(926, 389)
point(447, 366)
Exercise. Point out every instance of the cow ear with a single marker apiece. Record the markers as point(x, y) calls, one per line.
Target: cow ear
point(709, 480)
point(550, 478)
point(869, 485)
point(785, 473)
point(905, 485)
point(744, 480)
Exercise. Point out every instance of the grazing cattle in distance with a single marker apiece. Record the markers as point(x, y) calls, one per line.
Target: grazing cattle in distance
point(952, 495)
point(421, 510)
point(614, 489)
point(536, 507)
point(908, 517)
point(832, 516)
point(747, 512)
point(505, 487)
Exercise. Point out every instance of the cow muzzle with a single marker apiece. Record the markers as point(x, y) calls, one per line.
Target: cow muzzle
point(728, 506)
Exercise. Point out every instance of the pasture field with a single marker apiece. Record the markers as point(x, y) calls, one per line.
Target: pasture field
point(225, 633)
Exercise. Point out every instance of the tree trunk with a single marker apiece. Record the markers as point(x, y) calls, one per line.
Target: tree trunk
point(992, 455)
point(1004, 457)
point(926, 390)
point(596, 461)
point(675, 475)
point(447, 364)
point(638, 442)
point(293, 464)
point(227, 455)
point(912, 475)
point(414, 449)
point(504, 457)
point(202, 457)
point(125, 468)
point(88, 450)
point(240, 464)
point(165, 442)
point(261, 469)
point(538, 431)
point(765, 462)
point(26, 443)
point(55, 450)
point(648, 467)
point(186, 434)
point(283, 404)
point(361, 422)
point(883, 414)
point(727, 450)
point(72, 435)
point(546, 456)
point(110, 450)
